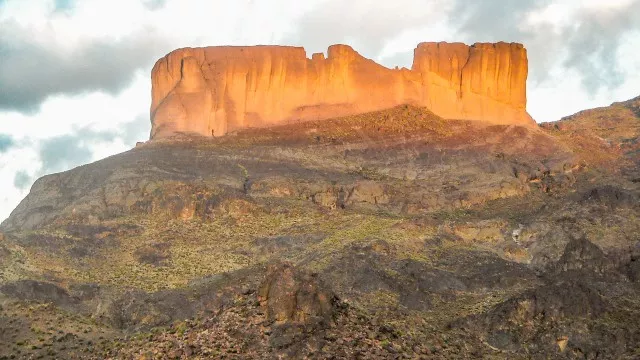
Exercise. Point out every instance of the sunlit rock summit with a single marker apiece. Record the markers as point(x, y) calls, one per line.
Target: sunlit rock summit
point(214, 90)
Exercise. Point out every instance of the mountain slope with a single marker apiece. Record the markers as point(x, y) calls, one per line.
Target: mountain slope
point(380, 235)
point(614, 131)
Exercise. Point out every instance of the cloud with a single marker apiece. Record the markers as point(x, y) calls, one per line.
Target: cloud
point(367, 28)
point(154, 4)
point(31, 158)
point(136, 130)
point(492, 20)
point(66, 151)
point(63, 5)
point(22, 180)
point(594, 40)
point(6, 142)
point(32, 71)
point(580, 35)
point(67, 47)
point(584, 36)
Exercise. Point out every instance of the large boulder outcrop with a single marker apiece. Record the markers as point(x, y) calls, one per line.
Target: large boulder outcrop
point(292, 295)
point(214, 90)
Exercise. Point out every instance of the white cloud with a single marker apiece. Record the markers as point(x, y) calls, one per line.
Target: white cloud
point(61, 114)
point(18, 159)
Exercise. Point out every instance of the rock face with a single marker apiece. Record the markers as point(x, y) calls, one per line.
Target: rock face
point(211, 91)
point(290, 295)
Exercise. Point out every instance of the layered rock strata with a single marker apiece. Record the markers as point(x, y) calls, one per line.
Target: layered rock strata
point(214, 90)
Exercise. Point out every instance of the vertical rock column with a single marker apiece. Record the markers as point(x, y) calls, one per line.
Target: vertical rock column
point(188, 107)
point(481, 82)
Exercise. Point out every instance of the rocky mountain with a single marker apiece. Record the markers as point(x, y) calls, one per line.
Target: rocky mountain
point(613, 130)
point(212, 91)
point(391, 234)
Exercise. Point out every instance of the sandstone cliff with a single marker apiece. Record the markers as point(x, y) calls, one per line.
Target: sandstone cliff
point(211, 91)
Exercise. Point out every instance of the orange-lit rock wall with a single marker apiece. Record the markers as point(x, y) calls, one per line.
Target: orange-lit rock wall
point(214, 90)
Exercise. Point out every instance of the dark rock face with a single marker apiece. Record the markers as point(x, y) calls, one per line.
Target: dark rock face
point(544, 317)
point(360, 269)
point(155, 254)
point(368, 269)
point(31, 290)
point(612, 197)
point(419, 282)
point(629, 263)
point(291, 295)
point(581, 254)
point(139, 310)
point(85, 292)
point(551, 303)
point(4, 253)
point(634, 270)
point(563, 315)
point(135, 310)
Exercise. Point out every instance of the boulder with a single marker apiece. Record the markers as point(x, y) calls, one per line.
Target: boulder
point(294, 296)
point(581, 254)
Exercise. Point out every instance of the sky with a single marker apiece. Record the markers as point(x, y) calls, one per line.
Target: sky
point(75, 74)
